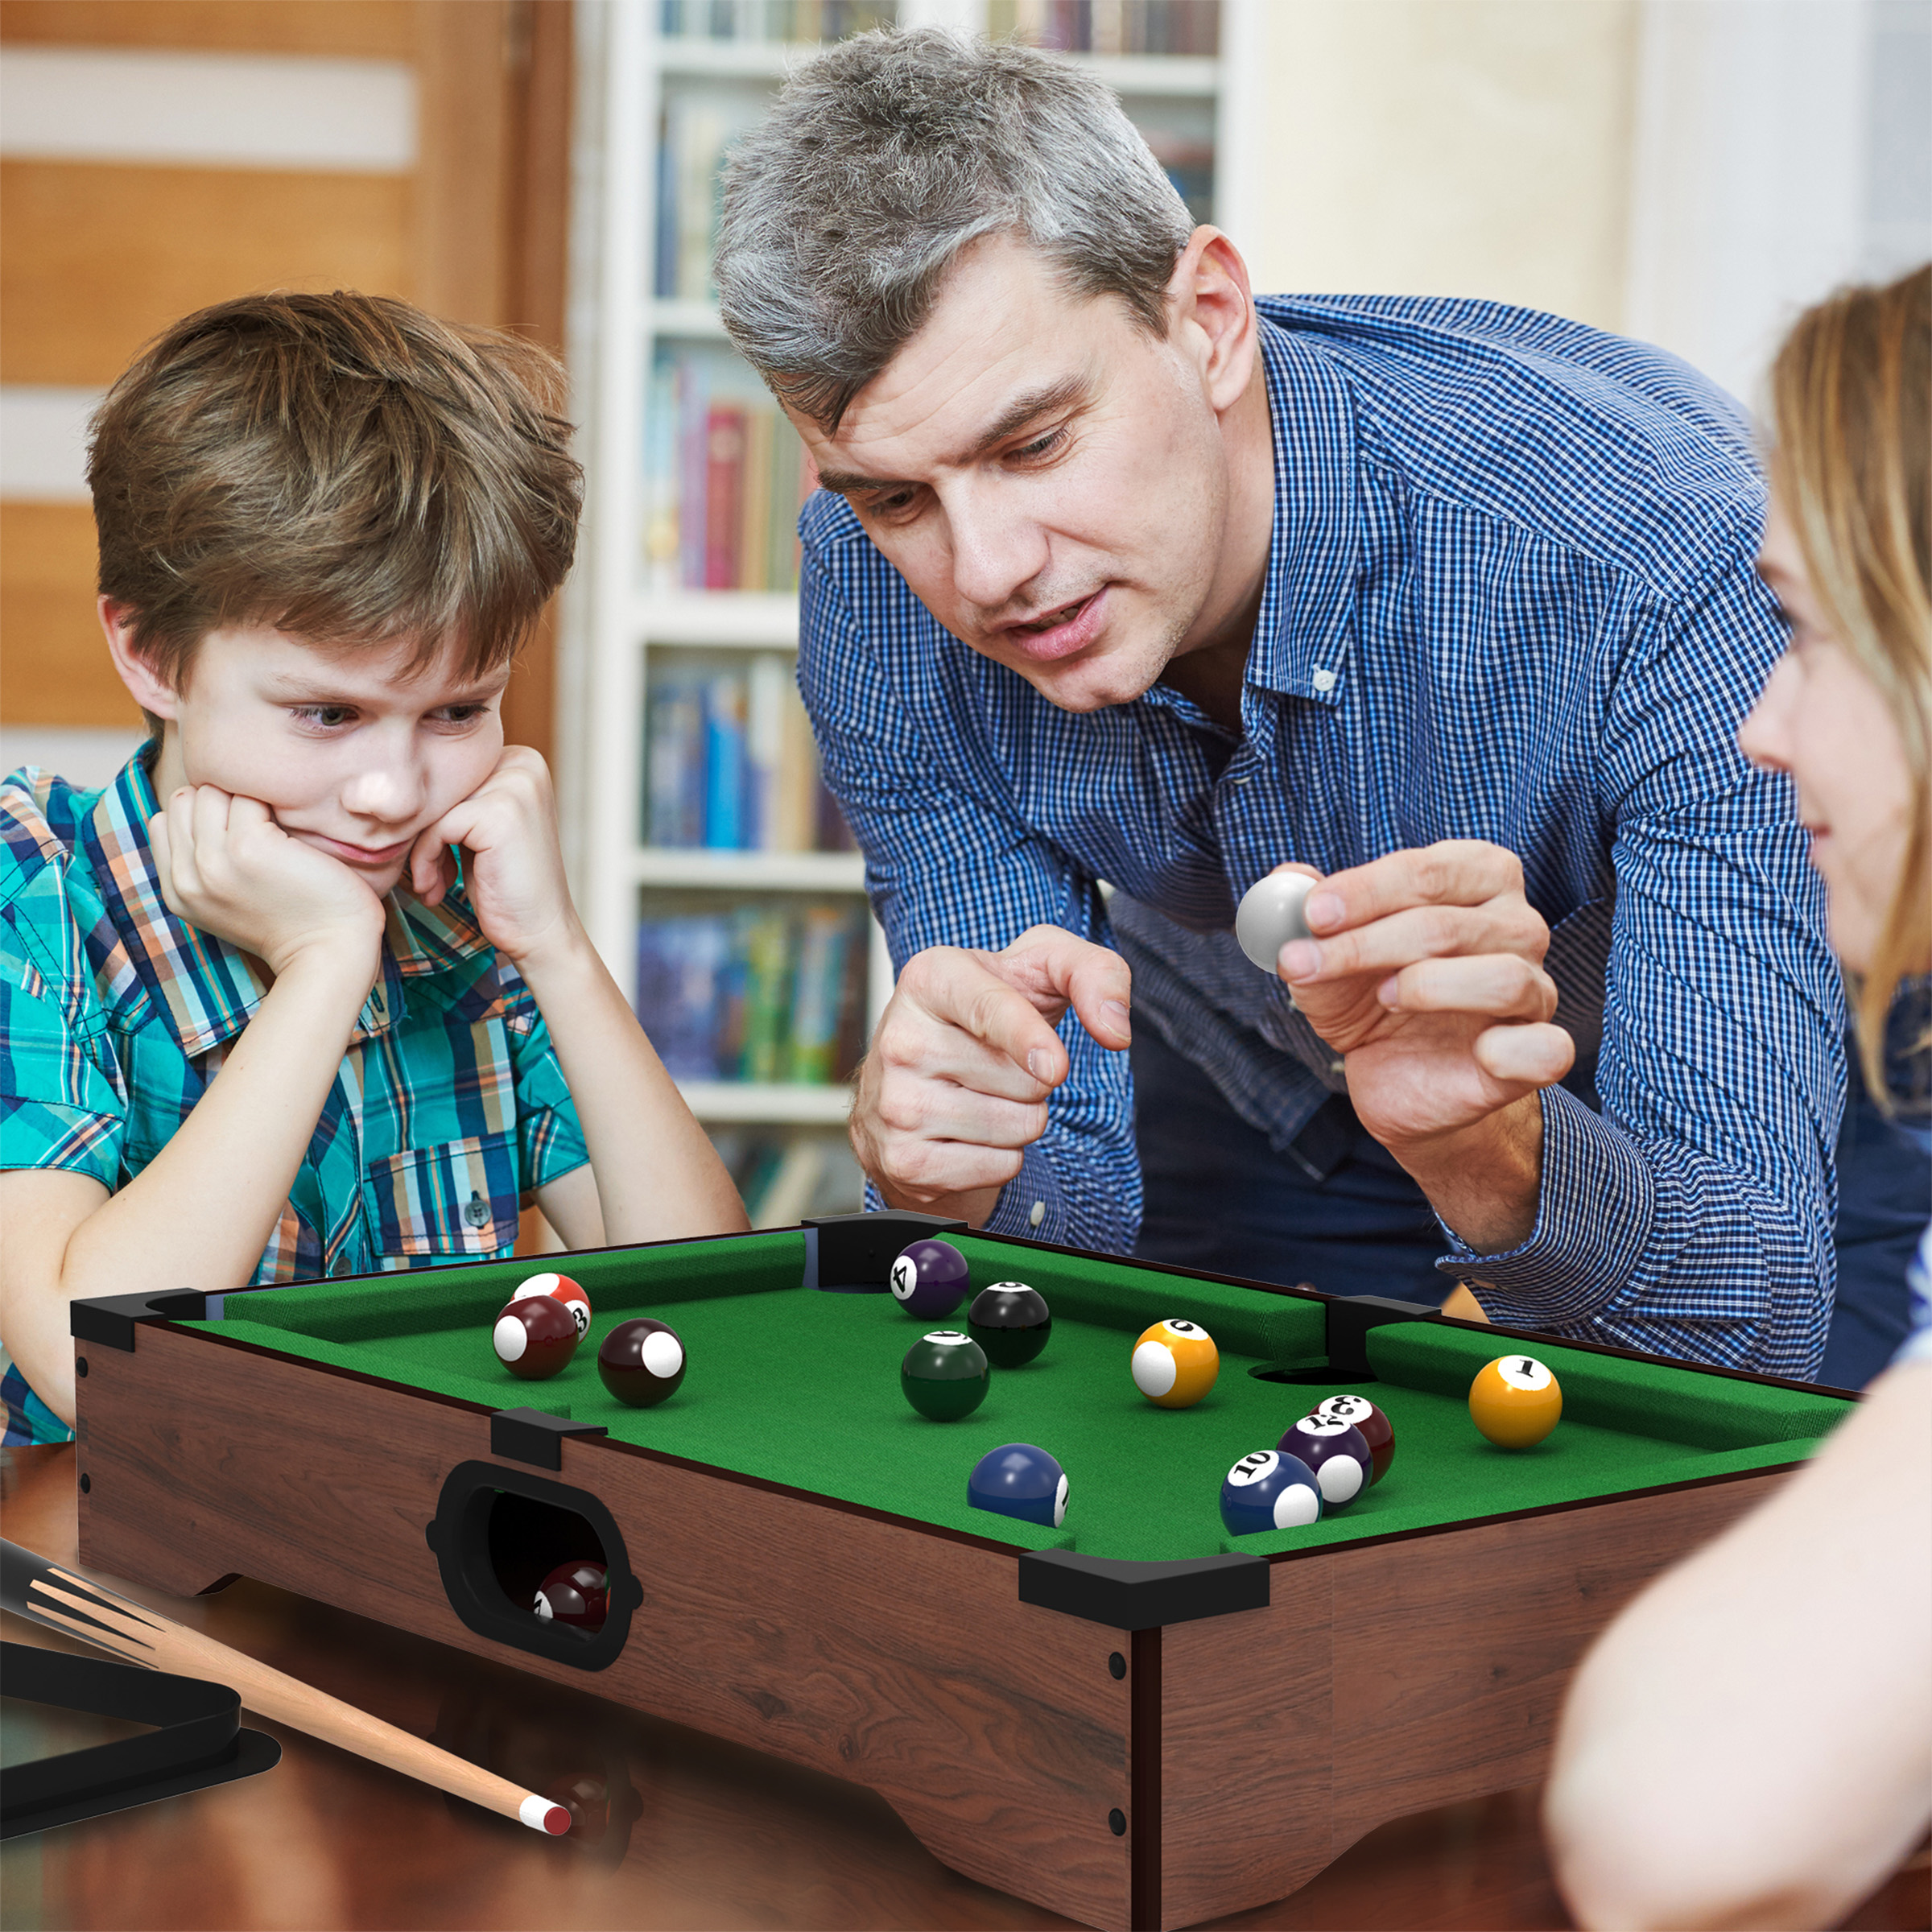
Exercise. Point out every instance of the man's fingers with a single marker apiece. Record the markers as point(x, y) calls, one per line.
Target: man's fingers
point(1506, 925)
point(1058, 969)
point(935, 1112)
point(1525, 1056)
point(1455, 871)
point(962, 988)
point(1499, 985)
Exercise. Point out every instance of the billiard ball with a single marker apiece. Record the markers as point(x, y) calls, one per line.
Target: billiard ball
point(575, 1593)
point(1011, 1322)
point(1335, 1452)
point(1271, 914)
point(641, 1362)
point(944, 1375)
point(930, 1279)
point(1377, 1431)
point(1174, 1363)
point(1515, 1401)
point(534, 1337)
point(1269, 1490)
point(561, 1288)
point(1018, 1479)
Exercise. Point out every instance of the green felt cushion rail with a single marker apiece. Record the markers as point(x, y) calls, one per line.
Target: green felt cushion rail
point(1639, 1398)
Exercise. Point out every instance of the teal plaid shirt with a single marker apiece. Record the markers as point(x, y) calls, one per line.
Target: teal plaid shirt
point(448, 1110)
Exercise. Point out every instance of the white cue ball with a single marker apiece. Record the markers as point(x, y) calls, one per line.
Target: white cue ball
point(1270, 915)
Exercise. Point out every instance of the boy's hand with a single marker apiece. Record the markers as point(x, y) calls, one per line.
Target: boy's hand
point(508, 825)
point(227, 867)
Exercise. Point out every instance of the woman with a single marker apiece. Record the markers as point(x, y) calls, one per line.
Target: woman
point(1750, 1743)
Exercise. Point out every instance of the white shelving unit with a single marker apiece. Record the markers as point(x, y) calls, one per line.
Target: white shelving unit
point(615, 620)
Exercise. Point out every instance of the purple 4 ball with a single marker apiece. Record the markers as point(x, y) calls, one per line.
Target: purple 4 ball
point(930, 1279)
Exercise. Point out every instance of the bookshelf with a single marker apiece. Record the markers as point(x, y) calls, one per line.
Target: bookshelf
point(716, 880)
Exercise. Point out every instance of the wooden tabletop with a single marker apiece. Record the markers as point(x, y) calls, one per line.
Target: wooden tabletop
point(694, 1832)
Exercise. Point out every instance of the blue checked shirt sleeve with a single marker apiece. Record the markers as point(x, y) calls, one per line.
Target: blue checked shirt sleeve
point(945, 868)
point(61, 1104)
point(1694, 1215)
point(550, 1138)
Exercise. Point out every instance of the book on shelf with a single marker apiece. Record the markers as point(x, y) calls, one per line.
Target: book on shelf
point(781, 20)
point(729, 763)
point(725, 477)
point(760, 993)
point(1181, 27)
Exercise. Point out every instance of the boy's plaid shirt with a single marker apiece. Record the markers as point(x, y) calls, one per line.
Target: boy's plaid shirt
point(447, 1110)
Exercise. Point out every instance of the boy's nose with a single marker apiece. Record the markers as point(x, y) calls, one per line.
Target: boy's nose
point(388, 794)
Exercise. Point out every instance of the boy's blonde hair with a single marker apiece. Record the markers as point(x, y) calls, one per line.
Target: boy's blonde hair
point(1851, 465)
point(342, 467)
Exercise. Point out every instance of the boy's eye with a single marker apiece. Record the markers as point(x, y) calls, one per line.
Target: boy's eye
point(326, 717)
point(461, 714)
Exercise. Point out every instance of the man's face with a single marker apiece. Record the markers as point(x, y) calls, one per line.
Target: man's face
point(351, 756)
point(1050, 480)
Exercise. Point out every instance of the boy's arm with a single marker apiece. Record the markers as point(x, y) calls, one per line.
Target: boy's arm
point(657, 1173)
point(200, 1213)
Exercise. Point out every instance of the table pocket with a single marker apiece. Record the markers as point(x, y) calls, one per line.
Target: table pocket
point(459, 1198)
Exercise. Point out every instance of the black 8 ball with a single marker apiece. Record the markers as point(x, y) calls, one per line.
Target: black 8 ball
point(1010, 1321)
point(641, 1362)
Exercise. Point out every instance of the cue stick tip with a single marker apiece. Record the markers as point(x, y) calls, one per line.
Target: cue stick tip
point(543, 1814)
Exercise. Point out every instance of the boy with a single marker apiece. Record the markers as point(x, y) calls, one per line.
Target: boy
point(302, 993)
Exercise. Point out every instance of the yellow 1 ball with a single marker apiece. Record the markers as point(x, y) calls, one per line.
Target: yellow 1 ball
point(1515, 1401)
point(1174, 1363)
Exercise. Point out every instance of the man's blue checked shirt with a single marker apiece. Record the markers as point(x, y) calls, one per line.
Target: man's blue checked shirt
point(1509, 596)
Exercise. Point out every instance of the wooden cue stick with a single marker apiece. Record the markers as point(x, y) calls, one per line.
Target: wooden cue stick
point(65, 1602)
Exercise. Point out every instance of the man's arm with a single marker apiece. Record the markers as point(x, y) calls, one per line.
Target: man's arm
point(1693, 1217)
point(1750, 1743)
point(200, 1213)
point(995, 1087)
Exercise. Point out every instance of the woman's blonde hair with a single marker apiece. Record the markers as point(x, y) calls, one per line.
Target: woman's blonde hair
point(1852, 467)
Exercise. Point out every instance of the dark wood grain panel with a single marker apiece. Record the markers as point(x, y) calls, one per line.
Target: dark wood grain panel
point(994, 1728)
point(371, 29)
point(57, 668)
point(1452, 1652)
point(1246, 1738)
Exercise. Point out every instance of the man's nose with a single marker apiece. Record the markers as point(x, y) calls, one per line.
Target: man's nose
point(998, 548)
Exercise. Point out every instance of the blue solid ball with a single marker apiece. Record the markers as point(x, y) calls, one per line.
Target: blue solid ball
point(1270, 1490)
point(1018, 1479)
point(930, 1279)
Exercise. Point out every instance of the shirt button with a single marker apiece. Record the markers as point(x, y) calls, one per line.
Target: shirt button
point(1037, 1215)
point(1338, 1066)
point(1323, 680)
point(476, 1213)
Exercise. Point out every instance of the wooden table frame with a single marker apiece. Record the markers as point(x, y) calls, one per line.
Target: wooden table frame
point(1131, 1745)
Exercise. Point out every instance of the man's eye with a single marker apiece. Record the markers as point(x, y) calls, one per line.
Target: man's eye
point(894, 505)
point(1044, 446)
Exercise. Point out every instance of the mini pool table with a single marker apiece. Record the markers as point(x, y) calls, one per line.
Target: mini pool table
point(1133, 1719)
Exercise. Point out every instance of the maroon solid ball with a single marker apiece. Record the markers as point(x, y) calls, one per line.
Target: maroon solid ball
point(642, 1361)
point(534, 1337)
point(575, 1593)
point(1377, 1431)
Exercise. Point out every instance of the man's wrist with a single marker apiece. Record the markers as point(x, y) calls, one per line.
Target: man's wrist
point(1484, 1181)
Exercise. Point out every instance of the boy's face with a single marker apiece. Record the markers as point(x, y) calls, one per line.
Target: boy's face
point(351, 756)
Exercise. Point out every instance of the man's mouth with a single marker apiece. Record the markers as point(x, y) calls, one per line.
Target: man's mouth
point(1058, 632)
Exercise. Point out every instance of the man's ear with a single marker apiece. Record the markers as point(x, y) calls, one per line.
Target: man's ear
point(1211, 307)
point(150, 690)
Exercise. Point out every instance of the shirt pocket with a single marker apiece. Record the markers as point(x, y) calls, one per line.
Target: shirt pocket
point(457, 1198)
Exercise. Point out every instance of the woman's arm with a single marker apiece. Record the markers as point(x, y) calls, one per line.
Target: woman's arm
point(1750, 1743)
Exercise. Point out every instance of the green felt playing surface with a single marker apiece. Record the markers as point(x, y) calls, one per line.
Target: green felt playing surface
point(802, 1387)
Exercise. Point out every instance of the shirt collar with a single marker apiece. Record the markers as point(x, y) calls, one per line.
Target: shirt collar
point(207, 990)
point(1301, 635)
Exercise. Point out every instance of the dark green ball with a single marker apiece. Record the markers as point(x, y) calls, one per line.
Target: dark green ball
point(1011, 1322)
point(944, 1375)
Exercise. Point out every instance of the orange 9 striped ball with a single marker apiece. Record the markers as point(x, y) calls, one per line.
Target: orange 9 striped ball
point(1515, 1401)
point(1176, 1363)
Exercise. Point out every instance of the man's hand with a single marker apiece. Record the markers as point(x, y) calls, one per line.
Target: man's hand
point(1425, 974)
point(515, 881)
point(955, 1084)
point(226, 866)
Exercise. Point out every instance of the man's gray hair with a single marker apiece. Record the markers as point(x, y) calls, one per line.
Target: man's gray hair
point(889, 153)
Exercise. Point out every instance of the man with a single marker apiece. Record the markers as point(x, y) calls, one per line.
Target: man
point(1122, 576)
